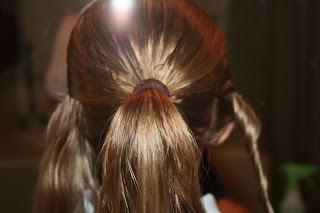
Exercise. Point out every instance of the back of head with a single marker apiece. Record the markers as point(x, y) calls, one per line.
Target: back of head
point(146, 140)
point(114, 48)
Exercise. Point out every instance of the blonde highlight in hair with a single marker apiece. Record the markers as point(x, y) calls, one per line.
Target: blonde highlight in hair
point(252, 127)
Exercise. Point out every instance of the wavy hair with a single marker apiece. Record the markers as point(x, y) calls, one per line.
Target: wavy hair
point(147, 143)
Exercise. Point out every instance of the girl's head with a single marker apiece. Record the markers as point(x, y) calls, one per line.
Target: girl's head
point(114, 47)
point(147, 143)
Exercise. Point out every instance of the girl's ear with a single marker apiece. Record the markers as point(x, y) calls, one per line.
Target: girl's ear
point(217, 138)
point(212, 137)
point(224, 134)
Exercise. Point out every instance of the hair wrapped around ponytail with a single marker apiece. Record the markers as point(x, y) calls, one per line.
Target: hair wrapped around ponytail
point(249, 121)
point(65, 168)
point(149, 159)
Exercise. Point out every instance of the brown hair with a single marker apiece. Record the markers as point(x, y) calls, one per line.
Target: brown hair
point(145, 142)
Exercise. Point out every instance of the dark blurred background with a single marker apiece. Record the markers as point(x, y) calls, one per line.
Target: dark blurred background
point(274, 53)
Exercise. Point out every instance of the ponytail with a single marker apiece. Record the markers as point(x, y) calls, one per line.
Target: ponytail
point(252, 127)
point(149, 159)
point(65, 168)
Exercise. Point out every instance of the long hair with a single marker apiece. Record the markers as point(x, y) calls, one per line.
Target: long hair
point(147, 143)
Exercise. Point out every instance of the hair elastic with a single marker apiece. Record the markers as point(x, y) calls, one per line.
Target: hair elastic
point(151, 84)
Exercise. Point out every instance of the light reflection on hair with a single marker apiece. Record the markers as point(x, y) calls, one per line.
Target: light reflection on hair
point(122, 4)
point(122, 11)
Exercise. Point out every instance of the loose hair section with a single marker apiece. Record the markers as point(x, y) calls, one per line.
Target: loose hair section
point(149, 159)
point(252, 127)
point(66, 163)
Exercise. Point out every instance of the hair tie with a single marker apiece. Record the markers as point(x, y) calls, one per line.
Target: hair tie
point(151, 84)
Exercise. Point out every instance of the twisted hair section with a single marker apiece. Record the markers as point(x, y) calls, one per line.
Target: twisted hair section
point(65, 171)
point(149, 159)
point(251, 124)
